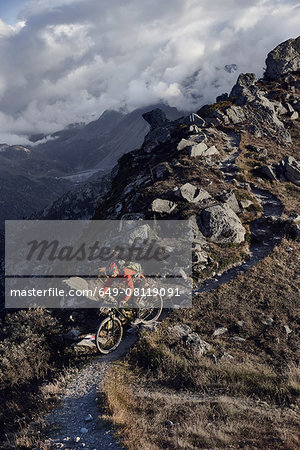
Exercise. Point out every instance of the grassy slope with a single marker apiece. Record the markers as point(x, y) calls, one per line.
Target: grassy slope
point(250, 400)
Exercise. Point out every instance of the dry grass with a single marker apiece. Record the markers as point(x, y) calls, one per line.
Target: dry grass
point(249, 401)
point(35, 367)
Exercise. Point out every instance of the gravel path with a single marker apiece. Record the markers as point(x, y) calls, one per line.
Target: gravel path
point(72, 429)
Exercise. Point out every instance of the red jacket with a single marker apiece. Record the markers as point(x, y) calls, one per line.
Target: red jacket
point(127, 275)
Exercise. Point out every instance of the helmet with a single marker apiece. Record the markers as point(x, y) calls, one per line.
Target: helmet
point(113, 269)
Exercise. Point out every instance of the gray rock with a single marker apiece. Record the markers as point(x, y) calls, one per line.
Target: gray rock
point(156, 118)
point(89, 418)
point(155, 137)
point(238, 339)
point(294, 115)
point(246, 203)
point(169, 423)
point(200, 255)
point(197, 344)
point(235, 114)
point(210, 151)
point(267, 172)
point(230, 200)
point(268, 321)
point(226, 356)
point(283, 59)
point(185, 143)
point(287, 329)
point(86, 343)
point(163, 206)
point(72, 335)
point(84, 430)
point(219, 331)
point(291, 169)
point(192, 194)
point(192, 148)
point(197, 150)
point(221, 224)
point(244, 90)
point(180, 330)
point(161, 171)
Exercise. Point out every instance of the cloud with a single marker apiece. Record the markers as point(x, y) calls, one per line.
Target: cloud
point(69, 60)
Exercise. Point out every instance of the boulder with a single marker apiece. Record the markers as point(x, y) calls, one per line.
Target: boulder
point(200, 256)
point(197, 150)
point(221, 224)
point(161, 171)
point(184, 144)
point(235, 114)
point(219, 331)
point(283, 59)
point(211, 151)
point(229, 198)
point(246, 203)
point(266, 172)
point(291, 168)
point(156, 118)
point(163, 206)
point(192, 148)
point(244, 90)
point(155, 137)
point(192, 194)
point(198, 345)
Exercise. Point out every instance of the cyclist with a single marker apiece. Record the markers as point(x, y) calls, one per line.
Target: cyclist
point(118, 269)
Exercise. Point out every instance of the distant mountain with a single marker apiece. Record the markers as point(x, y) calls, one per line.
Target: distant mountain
point(100, 143)
point(33, 178)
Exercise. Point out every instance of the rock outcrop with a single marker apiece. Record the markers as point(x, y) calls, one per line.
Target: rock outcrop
point(292, 170)
point(221, 225)
point(283, 59)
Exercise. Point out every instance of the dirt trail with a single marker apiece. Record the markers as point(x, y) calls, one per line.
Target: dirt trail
point(80, 398)
point(80, 401)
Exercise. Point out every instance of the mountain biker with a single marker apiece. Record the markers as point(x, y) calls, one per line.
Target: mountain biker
point(118, 269)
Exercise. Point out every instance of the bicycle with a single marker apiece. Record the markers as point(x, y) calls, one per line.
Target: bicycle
point(111, 329)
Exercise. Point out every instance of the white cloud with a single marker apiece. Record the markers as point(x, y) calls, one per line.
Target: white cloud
point(68, 60)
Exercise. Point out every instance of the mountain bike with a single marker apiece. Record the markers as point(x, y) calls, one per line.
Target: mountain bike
point(111, 329)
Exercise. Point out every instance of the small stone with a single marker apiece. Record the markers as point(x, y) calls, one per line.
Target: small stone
point(241, 323)
point(287, 329)
point(220, 330)
point(77, 439)
point(84, 430)
point(169, 423)
point(89, 418)
point(268, 321)
point(238, 339)
point(226, 356)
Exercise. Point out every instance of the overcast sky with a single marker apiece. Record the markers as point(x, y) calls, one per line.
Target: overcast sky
point(65, 61)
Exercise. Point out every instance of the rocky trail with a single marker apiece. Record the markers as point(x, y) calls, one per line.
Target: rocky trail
point(76, 420)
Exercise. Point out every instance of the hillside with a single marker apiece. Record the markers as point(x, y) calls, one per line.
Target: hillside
point(224, 373)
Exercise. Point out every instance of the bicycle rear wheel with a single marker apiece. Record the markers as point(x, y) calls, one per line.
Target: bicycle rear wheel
point(109, 335)
point(152, 313)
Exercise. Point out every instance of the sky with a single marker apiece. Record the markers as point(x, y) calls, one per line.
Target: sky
point(66, 61)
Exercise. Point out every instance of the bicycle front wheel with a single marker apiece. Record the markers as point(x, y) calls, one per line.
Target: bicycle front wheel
point(150, 309)
point(109, 335)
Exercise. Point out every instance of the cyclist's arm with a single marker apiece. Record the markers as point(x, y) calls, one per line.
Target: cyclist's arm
point(107, 285)
point(130, 287)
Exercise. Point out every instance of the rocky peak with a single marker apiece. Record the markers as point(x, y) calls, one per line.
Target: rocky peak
point(244, 89)
point(156, 118)
point(283, 59)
